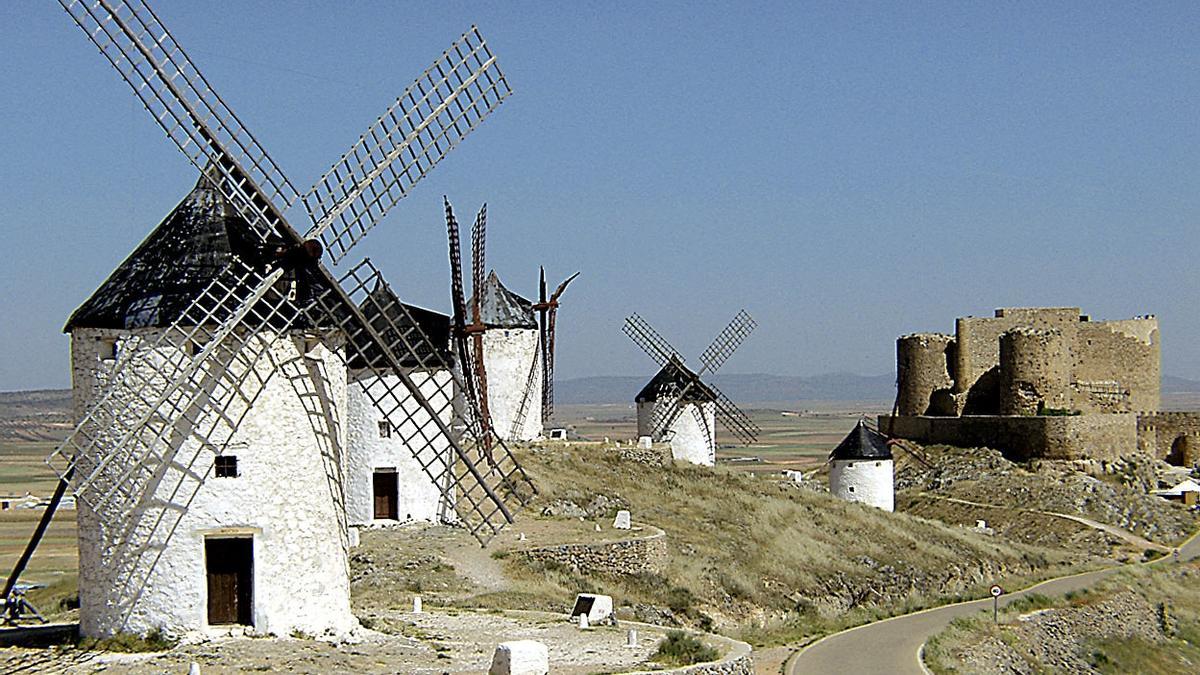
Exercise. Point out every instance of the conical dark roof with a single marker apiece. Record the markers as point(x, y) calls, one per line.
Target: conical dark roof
point(176, 261)
point(862, 442)
point(426, 330)
point(674, 377)
point(501, 308)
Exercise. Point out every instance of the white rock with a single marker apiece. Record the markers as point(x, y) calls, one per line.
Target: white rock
point(622, 521)
point(644, 442)
point(520, 657)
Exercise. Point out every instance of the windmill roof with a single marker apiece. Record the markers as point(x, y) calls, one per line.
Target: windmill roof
point(501, 308)
point(169, 269)
point(862, 442)
point(428, 331)
point(674, 377)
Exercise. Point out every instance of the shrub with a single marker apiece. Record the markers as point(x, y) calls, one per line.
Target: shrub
point(154, 641)
point(681, 649)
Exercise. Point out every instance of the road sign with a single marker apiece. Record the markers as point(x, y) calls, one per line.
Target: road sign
point(997, 591)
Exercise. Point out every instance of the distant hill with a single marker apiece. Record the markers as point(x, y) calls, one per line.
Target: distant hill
point(1178, 385)
point(748, 388)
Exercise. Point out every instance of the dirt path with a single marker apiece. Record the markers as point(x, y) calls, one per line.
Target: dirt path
point(1125, 535)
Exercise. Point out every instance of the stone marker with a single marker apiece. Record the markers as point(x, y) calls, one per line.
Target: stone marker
point(632, 640)
point(354, 538)
point(980, 524)
point(596, 608)
point(520, 657)
point(597, 527)
point(194, 669)
point(622, 521)
point(644, 442)
point(583, 622)
point(416, 604)
point(521, 537)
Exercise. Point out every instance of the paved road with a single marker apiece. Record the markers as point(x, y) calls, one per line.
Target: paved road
point(892, 645)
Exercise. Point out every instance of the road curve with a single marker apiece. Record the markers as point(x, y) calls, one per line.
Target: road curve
point(892, 646)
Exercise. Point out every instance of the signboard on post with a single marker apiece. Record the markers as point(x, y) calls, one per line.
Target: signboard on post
point(996, 593)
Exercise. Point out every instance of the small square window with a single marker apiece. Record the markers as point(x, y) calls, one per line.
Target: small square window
point(108, 350)
point(385, 429)
point(851, 488)
point(225, 466)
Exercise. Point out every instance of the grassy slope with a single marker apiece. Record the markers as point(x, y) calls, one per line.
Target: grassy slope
point(1179, 652)
point(764, 559)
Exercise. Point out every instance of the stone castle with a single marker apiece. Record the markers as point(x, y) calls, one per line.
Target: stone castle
point(1041, 382)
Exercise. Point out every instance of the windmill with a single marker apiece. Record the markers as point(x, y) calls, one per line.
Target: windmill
point(167, 397)
point(500, 345)
point(547, 309)
point(677, 406)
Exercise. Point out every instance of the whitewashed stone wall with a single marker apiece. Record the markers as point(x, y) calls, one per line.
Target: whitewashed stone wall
point(689, 440)
point(863, 480)
point(419, 497)
point(142, 559)
point(508, 355)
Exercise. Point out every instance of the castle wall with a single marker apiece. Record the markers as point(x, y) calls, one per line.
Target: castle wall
point(978, 338)
point(419, 497)
point(1021, 438)
point(1171, 436)
point(1116, 366)
point(142, 551)
point(922, 368)
point(508, 355)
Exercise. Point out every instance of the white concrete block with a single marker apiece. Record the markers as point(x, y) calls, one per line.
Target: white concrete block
point(622, 521)
point(644, 442)
point(595, 607)
point(520, 657)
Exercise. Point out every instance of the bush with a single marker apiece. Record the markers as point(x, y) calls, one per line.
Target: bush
point(154, 641)
point(681, 649)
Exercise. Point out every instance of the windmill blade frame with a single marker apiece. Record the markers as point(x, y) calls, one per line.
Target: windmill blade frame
point(432, 116)
point(548, 335)
point(726, 342)
point(655, 345)
point(476, 329)
point(458, 297)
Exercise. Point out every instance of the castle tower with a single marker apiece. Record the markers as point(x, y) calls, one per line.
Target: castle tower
point(384, 481)
point(861, 469)
point(692, 434)
point(241, 526)
point(922, 368)
point(1035, 371)
point(511, 358)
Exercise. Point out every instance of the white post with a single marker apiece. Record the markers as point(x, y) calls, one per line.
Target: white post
point(416, 604)
point(194, 669)
point(632, 641)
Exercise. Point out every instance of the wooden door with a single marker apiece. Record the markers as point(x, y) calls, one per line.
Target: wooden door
point(386, 495)
point(230, 563)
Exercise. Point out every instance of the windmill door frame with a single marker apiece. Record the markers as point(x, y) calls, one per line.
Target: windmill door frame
point(229, 575)
point(385, 493)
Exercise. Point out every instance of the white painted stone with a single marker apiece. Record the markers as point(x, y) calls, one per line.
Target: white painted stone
point(631, 638)
point(689, 441)
point(645, 442)
point(583, 622)
point(416, 604)
point(595, 608)
point(980, 524)
point(597, 527)
point(355, 538)
point(508, 354)
point(418, 498)
point(142, 555)
point(194, 668)
point(520, 657)
point(794, 476)
point(863, 480)
point(622, 521)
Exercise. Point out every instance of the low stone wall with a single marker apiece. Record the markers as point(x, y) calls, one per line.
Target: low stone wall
point(647, 553)
point(1171, 436)
point(1021, 438)
point(736, 659)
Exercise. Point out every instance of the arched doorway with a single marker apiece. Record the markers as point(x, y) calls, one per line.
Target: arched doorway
point(1183, 451)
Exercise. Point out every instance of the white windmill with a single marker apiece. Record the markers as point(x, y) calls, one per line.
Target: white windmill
point(208, 463)
point(677, 407)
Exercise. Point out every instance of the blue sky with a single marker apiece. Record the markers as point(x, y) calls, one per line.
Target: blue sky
point(848, 172)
